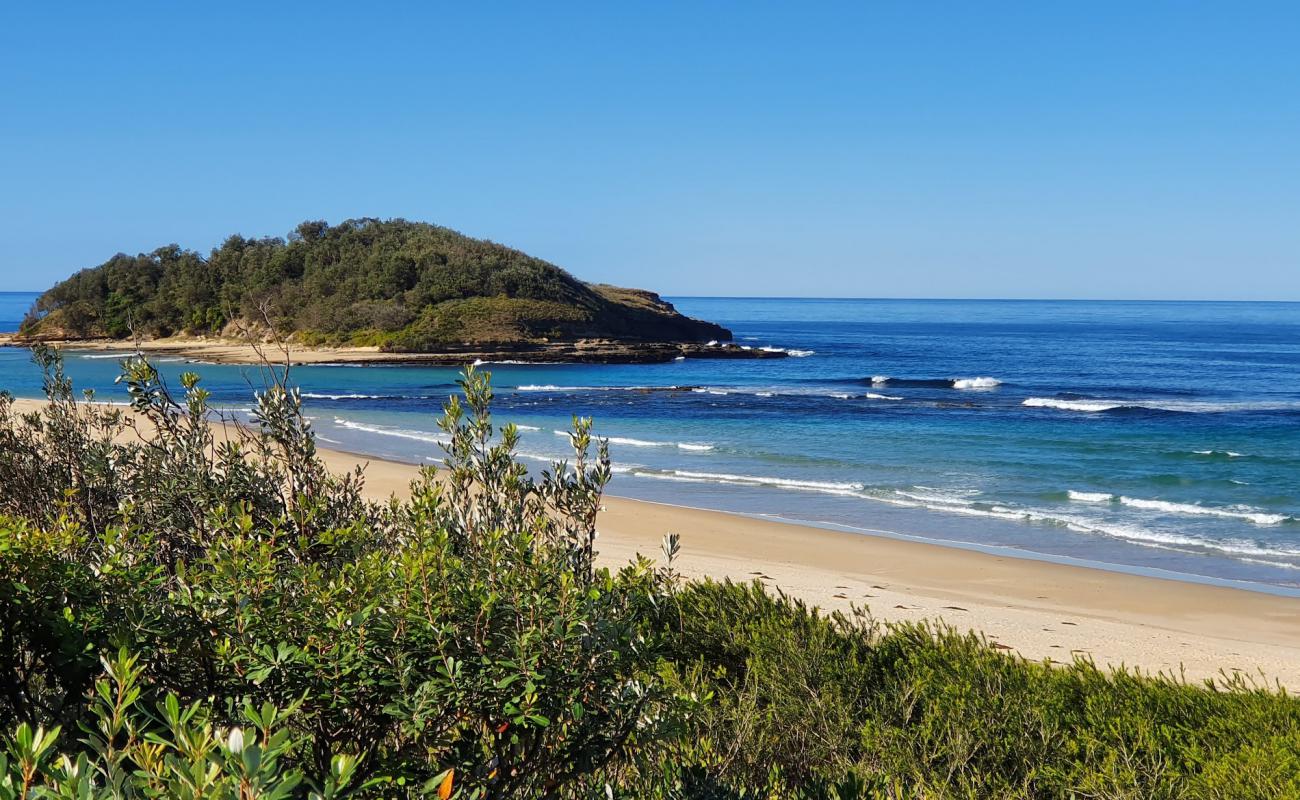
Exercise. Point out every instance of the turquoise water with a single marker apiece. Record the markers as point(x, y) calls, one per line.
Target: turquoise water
point(1151, 436)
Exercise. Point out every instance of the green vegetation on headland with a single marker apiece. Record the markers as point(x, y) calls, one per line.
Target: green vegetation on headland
point(401, 286)
point(183, 616)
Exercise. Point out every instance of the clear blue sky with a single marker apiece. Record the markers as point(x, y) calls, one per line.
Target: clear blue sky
point(959, 149)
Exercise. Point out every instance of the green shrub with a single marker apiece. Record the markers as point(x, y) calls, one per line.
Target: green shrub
point(803, 700)
point(466, 629)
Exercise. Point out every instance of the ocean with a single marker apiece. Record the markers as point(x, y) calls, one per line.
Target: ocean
point(1155, 437)
point(13, 305)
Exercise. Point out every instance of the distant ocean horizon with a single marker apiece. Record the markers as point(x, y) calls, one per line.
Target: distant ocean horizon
point(1154, 436)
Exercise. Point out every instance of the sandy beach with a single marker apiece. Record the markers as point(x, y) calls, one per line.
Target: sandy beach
point(239, 351)
point(229, 351)
point(1040, 609)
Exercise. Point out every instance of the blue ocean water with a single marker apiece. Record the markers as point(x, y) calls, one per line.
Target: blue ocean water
point(13, 306)
point(1149, 436)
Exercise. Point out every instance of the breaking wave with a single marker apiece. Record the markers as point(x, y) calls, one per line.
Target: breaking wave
point(976, 383)
point(1186, 509)
point(1088, 406)
point(354, 396)
point(1094, 406)
point(383, 430)
point(624, 440)
point(935, 383)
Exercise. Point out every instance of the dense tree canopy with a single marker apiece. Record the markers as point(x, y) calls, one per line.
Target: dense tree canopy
point(402, 285)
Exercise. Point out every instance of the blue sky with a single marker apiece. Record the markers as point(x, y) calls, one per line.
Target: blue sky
point(910, 149)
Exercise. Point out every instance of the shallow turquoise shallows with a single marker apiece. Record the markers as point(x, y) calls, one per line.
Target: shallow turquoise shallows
point(1157, 437)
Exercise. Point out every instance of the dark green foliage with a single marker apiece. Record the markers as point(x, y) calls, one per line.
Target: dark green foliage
point(466, 629)
point(800, 699)
point(187, 614)
point(400, 285)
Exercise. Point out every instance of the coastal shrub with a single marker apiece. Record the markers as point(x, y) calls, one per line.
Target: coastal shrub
point(171, 464)
point(172, 750)
point(464, 632)
point(800, 699)
point(190, 607)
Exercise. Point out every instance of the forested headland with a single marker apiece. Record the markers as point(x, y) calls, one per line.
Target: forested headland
point(396, 285)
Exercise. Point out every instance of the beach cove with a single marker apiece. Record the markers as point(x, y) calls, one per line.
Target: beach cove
point(1038, 609)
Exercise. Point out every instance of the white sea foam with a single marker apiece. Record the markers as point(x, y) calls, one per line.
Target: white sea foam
point(1188, 509)
point(874, 396)
point(1091, 497)
point(952, 502)
point(976, 383)
point(1143, 536)
point(938, 499)
point(1228, 453)
point(1239, 512)
point(527, 427)
point(321, 396)
point(826, 487)
point(637, 442)
point(1182, 406)
point(1089, 406)
point(878, 379)
point(793, 353)
point(515, 362)
point(380, 430)
point(127, 354)
point(624, 440)
point(548, 387)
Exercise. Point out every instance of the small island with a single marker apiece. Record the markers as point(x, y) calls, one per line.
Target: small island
point(367, 290)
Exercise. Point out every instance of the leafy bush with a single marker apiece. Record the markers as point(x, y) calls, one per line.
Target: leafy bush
point(467, 629)
point(802, 700)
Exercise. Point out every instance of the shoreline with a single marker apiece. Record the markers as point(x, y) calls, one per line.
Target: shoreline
point(998, 551)
point(1041, 609)
point(584, 351)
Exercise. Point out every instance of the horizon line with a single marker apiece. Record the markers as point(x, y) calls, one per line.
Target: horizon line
point(672, 295)
point(969, 299)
